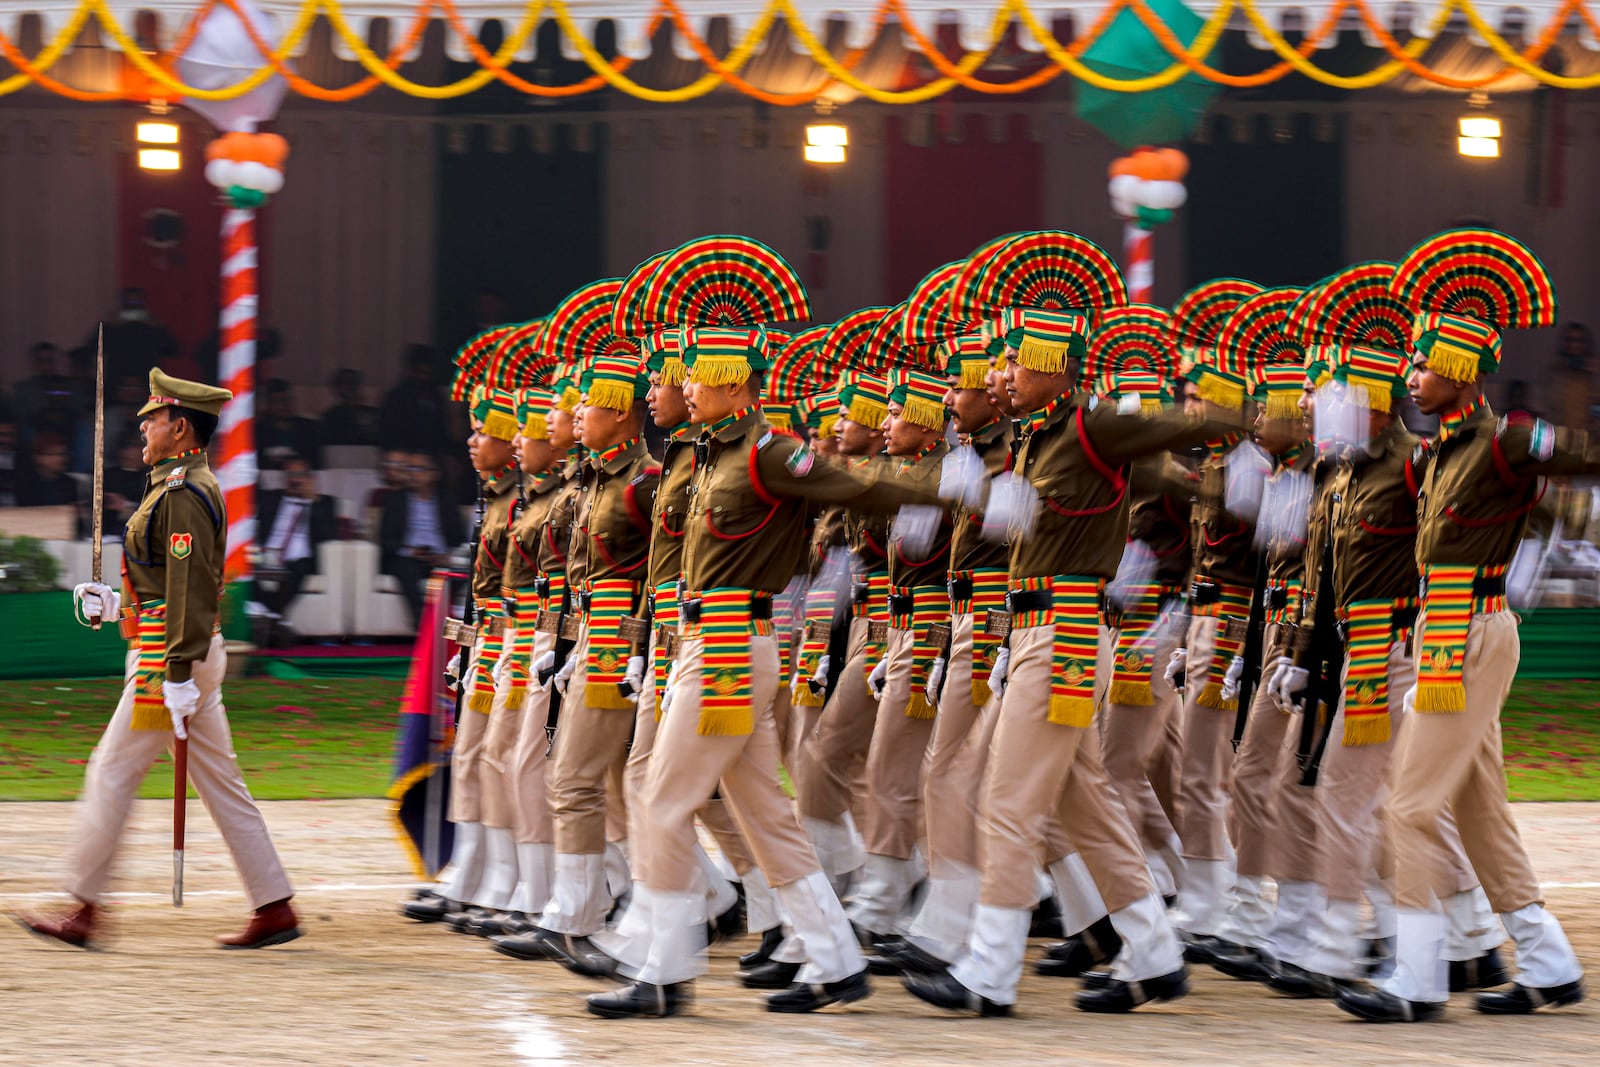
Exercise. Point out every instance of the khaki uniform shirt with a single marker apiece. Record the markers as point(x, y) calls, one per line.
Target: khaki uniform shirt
point(933, 567)
point(612, 537)
point(528, 529)
point(671, 512)
point(1374, 521)
point(174, 547)
point(1222, 544)
point(1163, 493)
point(494, 537)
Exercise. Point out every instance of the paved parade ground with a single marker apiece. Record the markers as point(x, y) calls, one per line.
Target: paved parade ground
point(366, 987)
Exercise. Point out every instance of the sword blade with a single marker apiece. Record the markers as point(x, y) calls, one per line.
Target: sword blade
point(97, 518)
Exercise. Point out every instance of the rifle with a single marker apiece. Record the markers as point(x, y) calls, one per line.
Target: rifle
point(469, 610)
point(1325, 664)
point(1254, 638)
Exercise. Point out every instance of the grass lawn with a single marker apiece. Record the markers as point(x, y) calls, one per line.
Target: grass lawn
point(333, 737)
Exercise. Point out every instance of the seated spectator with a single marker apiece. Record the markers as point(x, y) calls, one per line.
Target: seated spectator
point(419, 529)
point(294, 521)
point(413, 415)
point(10, 460)
point(44, 482)
point(135, 342)
point(126, 475)
point(280, 433)
point(350, 421)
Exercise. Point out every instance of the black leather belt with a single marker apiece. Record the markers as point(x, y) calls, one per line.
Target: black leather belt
point(861, 590)
point(1400, 619)
point(1028, 600)
point(901, 604)
point(1203, 593)
point(1276, 598)
point(760, 608)
point(541, 586)
point(1483, 586)
point(960, 588)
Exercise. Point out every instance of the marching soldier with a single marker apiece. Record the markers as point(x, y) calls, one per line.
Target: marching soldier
point(173, 551)
point(1482, 480)
point(744, 538)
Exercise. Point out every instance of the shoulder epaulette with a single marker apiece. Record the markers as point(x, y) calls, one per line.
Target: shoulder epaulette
point(766, 439)
point(177, 477)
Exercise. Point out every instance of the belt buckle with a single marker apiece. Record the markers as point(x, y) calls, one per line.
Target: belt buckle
point(877, 631)
point(548, 622)
point(633, 630)
point(997, 623)
point(1235, 629)
point(571, 627)
point(818, 630)
point(939, 635)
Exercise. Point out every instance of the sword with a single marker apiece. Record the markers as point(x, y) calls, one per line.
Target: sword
point(97, 518)
point(180, 810)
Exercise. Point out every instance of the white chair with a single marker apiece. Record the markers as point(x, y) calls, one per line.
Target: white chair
point(380, 608)
point(322, 608)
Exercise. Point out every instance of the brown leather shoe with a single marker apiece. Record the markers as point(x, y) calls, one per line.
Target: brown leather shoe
point(272, 924)
point(75, 928)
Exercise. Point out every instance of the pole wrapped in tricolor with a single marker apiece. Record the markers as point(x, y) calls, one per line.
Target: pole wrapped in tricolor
point(236, 448)
point(1138, 263)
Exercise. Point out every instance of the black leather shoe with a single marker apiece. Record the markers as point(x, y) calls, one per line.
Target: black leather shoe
point(909, 959)
point(1377, 1006)
point(1485, 972)
point(1524, 1000)
point(771, 975)
point(803, 997)
point(578, 954)
point(729, 924)
point(425, 892)
point(1247, 965)
point(1081, 952)
point(1119, 996)
point(430, 909)
point(466, 920)
point(770, 940)
point(943, 991)
point(1294, 981)
point(536, 944)
point(1203, 948)
point(1096, 979)
point(1046, 921)
point(499, 924)
point(642, 1001)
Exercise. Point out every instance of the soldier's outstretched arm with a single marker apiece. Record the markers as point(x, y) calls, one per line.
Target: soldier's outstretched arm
point(1120, 438)
point(784, 467)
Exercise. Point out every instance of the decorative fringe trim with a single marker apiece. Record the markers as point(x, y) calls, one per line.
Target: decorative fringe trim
point(480, 703)
point(925, 413)
point(981, 693)
point(868, 413)
point(1042, 356)
point(801, 695)
point(974, 375)
point(151, 718)
point(604, 393)
point(827, 425)
point(1221, 393)
point(1366, 729)
point(1458, 364)
point(607, 697)
point(726, 722)
point(673, 372)
point(1132, 693)
point(537, 428)
point(500, 425)
point(658, 707)
point(1211, 697)
point(569, 400)
point(1150, 405)
point(778, 418)
point(1379, 399)
point(515, 697)
point(720, 370)
point(1071, 711)
point(1282, 405)
point(920, 707)
point(1441, 696)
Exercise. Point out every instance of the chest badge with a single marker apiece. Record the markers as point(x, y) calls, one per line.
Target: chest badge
point(180, 546)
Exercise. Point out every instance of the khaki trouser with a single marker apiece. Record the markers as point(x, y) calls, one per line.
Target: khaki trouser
point(1165, 768)
point(714, 814)
point(585, 770)
point(1259, 786)
point(529, 764)
point(838, 746)
point(894, 758)
point(687, 767)
point(1454, 759)
point(955, 765)
point(499, 743)
point(118, 767)
point(1038, 769)
point(1133, 735)
point(466, 792)
point(1207, 754)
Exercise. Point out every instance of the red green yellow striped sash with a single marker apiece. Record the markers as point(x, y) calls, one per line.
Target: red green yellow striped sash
point(556, 598)
point(727, 694)
point(876, 610)
point(930, 604)
point(1369, 626)
point(1292, 590)
point(1447, 608)
point(493, 644)
point(785, 618)
point(1074, 619)
point(523, 607)
point(666, 614)
point(818, 617)
point(1232, 607)
point(1134, 661)
point(988, 594)
point(150, 676)
point(877, 605)
point(607, 664)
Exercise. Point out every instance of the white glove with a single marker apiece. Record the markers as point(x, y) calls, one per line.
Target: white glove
point(962, 477)
point(876, 678)
point(1176, 665)
point(96, 600)
point(183, 700)
point(633, 677)
point(1408, 703)
point(1230, 681)
point(543, 668)
point(502, 670)
point(935, 676)
point(1012, 508)
point(1291, 681)
point(1000, 671)
point(452, 671)
point(668, 688)
point(819, 680)
point(1269, 674)
point(565, 672)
